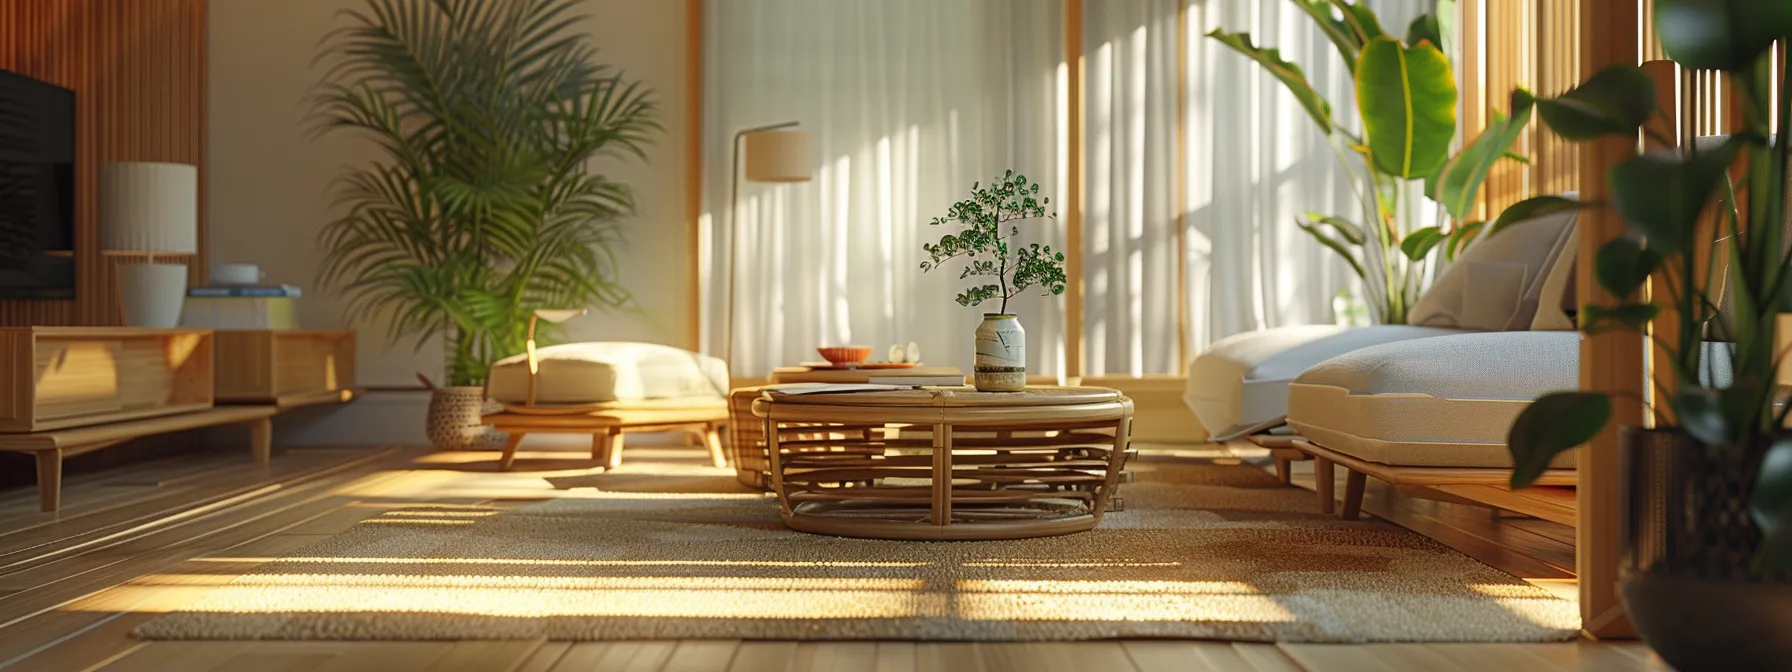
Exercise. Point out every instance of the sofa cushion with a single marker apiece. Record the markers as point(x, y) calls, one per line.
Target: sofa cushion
point(589, 373)
point(1240, 384)
point(1435, 402)
point(1497, 283)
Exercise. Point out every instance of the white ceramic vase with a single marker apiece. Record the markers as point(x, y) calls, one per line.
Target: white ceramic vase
point(152, 294)
point(1001, 364)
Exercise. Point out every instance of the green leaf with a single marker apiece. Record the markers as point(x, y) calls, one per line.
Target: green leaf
point(1699, 411)
point(1633, 316)
point(1662, 195)
point(1425, 28)
point(1553, 424)
point(1287, 73)
point(1515, 156)
point(1727, 35)
point(1460, 237)
point(1348, 230)
point(1446, 12)
point(1770, 505)
point(1361, 20)
point(1335, 246)
point(1418, 244)
point(1407, 97)
point(1622, 265)
point(1343, 37)
point(1461, 178)
point(1530, 209)
point(1615, 101)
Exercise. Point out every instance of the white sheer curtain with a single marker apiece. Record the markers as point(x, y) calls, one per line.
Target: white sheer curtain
point(910, 102)
point(1256, 162)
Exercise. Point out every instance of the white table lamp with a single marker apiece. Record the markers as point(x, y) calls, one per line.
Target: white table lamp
point(772, 153)
point(150, 209)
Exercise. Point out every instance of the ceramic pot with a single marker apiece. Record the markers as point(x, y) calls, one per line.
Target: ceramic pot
point(455, 419)
point(1001, 364)
point(1687, 548)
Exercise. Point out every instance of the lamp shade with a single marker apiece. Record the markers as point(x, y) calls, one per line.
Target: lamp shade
point(779, 156)
point(149, 207)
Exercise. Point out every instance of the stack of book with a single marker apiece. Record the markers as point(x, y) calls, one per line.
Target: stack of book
point(241, 307)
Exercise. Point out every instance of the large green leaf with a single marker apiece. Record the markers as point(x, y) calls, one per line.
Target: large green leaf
point(1420, 242)
point(1595, 319)
point(1700, 412)
point(1622, 265)
point(1342, 248)
point(1287, 73)
point(1725, 35)
point(1347, 229)
point(1460, 237)
point(1530, 209)
point(1425, 28)
point(1407, 96)
point(1361, 20)
point(1770, 505)
point(1661, 195)
point(1341, 34)
point(1616, 101)
point(1461, 178)
point(1553, 424)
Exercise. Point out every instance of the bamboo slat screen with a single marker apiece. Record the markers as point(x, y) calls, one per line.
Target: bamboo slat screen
point(1512, 43)
point(137, 68)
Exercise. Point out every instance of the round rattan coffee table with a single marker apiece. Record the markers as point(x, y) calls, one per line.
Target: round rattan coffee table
point(946, 463)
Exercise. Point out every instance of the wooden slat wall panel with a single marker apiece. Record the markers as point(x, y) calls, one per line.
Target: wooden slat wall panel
point(1534, 44)
point(138, 71)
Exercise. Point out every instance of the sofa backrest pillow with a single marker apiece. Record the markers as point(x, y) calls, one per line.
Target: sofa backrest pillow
point(1497, 283)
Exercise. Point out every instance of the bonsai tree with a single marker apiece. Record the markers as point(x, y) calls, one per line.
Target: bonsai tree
point(1406, 98)
point(988, 217)
point(482, 204)
point(1662, 196)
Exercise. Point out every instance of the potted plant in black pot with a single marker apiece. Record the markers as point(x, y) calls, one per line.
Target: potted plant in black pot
point(1708, 495)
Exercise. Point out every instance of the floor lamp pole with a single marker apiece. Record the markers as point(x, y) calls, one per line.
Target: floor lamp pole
point(734, 230)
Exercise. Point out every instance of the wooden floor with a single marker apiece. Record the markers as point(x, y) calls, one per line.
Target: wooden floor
point(68, 601)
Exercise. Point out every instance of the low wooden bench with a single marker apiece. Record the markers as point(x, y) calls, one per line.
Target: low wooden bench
point(51, 446)
point(1476, 485)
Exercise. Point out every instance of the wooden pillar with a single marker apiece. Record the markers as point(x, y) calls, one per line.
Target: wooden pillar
point(1611, 362)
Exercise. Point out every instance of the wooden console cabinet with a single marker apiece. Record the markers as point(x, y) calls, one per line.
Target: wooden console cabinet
point(59, 377)
point(285, 368)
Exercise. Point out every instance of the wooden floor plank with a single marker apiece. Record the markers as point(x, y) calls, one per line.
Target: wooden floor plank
point(545, 658)
point(484, 656)
point(637, 656)
point(764, 657)
point(1185, 655)
point(1265, 658)
point(187, 656)
point(896, 657)
point(827, 656)
point(948, 657)
point(702, 655)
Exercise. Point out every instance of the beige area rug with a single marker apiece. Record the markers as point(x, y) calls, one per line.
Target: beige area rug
point(1206, 549)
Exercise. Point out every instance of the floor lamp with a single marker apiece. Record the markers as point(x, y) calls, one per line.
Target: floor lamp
point(772, 154)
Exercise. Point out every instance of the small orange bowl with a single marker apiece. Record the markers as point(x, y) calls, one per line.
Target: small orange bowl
point(845, 355)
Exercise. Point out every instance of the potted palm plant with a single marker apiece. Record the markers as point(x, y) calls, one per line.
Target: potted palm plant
point(1708, 531)
point(482, 205)
point(1406, 98)
point(989, 217)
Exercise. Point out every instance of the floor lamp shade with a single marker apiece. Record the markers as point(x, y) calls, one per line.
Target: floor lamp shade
point(150, 208)
point(779, 156)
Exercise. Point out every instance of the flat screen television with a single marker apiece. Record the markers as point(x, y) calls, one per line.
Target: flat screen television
point(37, 189)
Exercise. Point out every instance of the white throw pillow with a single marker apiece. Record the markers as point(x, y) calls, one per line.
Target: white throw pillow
point(589, 373)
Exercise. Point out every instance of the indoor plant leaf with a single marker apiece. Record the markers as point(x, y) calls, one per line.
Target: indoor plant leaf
point(1551, 425)
point(1287, 73)
point(1632, 316)
point(1770, 505)
point(1727, 35)
point(1460, 237)
point(1425, 28)
point(1662, 195)
point(1532, 208)
point(1361, 20)
point(1616, 100)
point(1348, 230)
point(1623, 264)
point(1337, 246)
point(1460, 179)
point(1342, 35)
point(1407, 97)
point(1699, 411)
point(1419, 243)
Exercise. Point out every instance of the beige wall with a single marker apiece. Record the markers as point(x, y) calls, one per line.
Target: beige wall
point(266, 186)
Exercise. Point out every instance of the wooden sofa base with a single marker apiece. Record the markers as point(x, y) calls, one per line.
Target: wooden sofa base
point(52, 446)
point(1486, 486)
point(607, 429)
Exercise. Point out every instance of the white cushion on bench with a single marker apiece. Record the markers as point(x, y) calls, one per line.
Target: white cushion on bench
point(588, 373)
point(1240, 384)
point(1435, 402)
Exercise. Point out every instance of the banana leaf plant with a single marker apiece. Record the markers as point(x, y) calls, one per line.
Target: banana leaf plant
point(1661, 196)
point(481, 204)
point(1406, 97)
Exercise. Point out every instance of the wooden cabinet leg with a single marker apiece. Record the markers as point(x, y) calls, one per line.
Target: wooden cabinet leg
point(712, 437)
point(600, 447)
point(1354, 481)
point(1323, 481)
point(49, 479)
point(261, 440)
point(613, 459)
point(504, 462)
